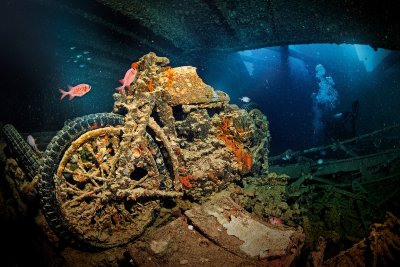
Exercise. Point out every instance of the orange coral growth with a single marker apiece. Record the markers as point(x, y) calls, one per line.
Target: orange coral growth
point(247, 161)
point(135, 65)
point(226, 124)
point(169, 73)
point(185, 180)
point(243, 156)
point(150, 86)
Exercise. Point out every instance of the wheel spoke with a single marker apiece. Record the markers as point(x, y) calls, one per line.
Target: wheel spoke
point(81, 197)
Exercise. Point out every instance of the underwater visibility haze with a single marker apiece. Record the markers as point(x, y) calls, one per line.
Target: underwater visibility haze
point(303, 135)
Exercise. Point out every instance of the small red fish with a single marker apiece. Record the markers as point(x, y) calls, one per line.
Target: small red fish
point(150, 86)
point(129, 78)
point(77, 90)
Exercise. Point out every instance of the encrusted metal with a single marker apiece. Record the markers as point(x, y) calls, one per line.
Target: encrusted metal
point(103, 176)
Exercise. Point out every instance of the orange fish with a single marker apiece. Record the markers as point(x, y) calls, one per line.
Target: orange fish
point(150, 86)
point(77, 90)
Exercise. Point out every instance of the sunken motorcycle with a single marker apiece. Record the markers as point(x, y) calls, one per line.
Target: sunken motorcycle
point(103, 177)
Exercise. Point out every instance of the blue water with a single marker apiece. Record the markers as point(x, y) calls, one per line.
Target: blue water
point(46, 47)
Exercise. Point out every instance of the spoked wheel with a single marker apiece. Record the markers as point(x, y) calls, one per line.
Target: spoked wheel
point(85, 202)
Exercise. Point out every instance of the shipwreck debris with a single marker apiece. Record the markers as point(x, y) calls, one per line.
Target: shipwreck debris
point(103, 177)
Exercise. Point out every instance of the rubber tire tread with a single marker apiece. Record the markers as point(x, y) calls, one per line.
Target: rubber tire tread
point(50, 162)
point(22, 150)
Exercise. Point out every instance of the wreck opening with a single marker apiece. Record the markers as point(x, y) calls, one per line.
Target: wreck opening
point(281, 81)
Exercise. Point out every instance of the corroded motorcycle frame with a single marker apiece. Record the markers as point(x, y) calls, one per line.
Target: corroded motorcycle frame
point(103, 176)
